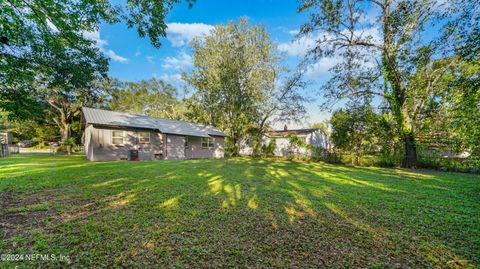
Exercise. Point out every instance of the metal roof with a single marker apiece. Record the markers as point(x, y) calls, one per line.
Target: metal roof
point(112, 118)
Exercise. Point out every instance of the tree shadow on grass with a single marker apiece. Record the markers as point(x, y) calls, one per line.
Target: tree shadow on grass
point(240, 212)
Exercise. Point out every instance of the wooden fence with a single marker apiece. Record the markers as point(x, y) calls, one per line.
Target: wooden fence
point(7, 150)
point(4, 152)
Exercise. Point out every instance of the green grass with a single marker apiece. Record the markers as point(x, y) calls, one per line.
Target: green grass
point(236, 213)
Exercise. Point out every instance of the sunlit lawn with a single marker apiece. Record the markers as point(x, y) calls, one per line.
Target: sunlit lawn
point(235, 213)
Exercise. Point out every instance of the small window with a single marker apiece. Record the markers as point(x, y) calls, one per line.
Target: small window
point(144, 137)
point(117, 137)
point(186, 141)
point(208, 142)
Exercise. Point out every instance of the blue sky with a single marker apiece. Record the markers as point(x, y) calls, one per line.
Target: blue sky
point(134, 58)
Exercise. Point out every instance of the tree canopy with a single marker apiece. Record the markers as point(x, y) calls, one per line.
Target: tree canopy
point(382, 55)
point(151, 97)
point(236, 81)
point(46, 44)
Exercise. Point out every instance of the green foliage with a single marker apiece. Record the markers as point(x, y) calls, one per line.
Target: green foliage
point(45, 44)
point(69, 142)
point(354, 130)
point(44, 206)
point(235, 75)
point(296, 143)
point(462, 104)
point(46, 133)
point(470, 164)
point(152, 97)
point(269, 149)
point(322, 126)
point(38, 132)
point(397, 65)
point(295, 140)
point(232, 76)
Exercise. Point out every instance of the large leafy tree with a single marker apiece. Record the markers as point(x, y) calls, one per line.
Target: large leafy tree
point(152, 97)
point(236, 77)
point(382, 44)
point(463, 103)
point(65, 106)
point(47, 40)
point(354, 130)
point(457, 106)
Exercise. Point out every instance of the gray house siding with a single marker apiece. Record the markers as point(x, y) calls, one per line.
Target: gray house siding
point(110, 135)
point(194, 148)
point(88, 142)
point(99, 146)
point(175, 147)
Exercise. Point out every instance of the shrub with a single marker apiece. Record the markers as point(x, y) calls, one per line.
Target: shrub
point(468, 165)
point(69, 141)
point(269, 149)
point(387, 160)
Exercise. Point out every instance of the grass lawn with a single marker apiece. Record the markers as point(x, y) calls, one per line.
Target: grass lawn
point(235, 213)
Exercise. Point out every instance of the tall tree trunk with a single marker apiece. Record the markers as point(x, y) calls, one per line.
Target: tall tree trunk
point(236, 144)
point(397, 96)
point(63, 118)
point(64, 131)
point(410, 155)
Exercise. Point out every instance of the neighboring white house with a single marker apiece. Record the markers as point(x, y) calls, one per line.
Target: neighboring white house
point(283, 147)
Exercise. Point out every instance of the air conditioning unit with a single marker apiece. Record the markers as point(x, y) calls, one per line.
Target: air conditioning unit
point(133, 155)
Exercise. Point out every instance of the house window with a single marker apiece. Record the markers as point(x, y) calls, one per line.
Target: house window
point(208, 142)
point(144, 137)
point(186, 141)
point(117, 137)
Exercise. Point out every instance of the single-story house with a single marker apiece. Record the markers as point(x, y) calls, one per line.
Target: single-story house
point(113, 135)
point(313, 137)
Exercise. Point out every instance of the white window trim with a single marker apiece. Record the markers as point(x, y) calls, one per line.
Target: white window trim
point(139, 137)
point(123, 137)
point(209, 140)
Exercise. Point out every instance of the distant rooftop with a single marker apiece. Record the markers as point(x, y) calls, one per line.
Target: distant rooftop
point(112, 118)
point(293, 131)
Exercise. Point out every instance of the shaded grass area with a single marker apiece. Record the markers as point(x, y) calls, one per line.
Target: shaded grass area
point(236, 213)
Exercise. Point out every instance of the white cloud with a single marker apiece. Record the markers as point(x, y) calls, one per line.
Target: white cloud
point(369, 17)
point(174, 79)
point(442, 5)
point(300, 46)
point(101, 43)
point(322, 67)
point(150, 59)
point(171, 78)
point(116, 57)
point(294, 32)
point(138, 53)
point(182, 61)
point(95, 36)
point(297, 47)
point(180, 34)
point(371, 34)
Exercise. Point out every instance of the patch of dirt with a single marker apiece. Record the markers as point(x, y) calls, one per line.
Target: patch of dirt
point(17, 223)
point(6, 199)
